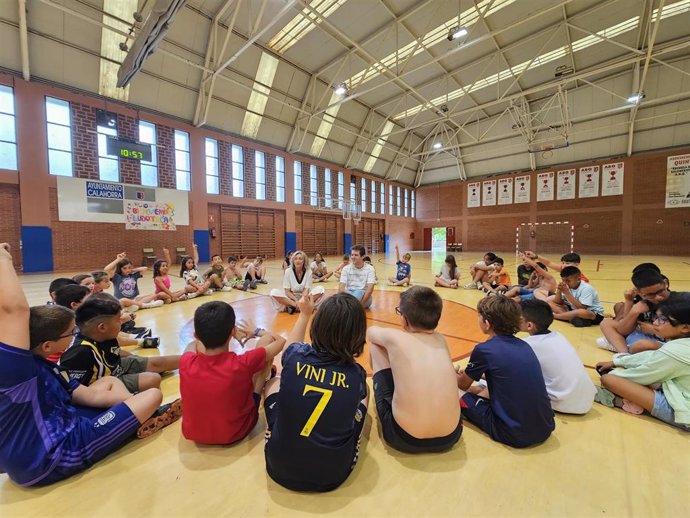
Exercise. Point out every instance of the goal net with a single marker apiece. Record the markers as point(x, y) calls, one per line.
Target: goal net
point(552, 237)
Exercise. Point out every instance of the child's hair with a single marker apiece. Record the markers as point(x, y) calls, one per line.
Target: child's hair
point(72, 293)
point(214, 256)
point(366, 259)
point(646, 266)
point(183, 264)
point(157, 267)
point(81, 277)
point(492, 257)
point(318, 254)
point(571, 258)
point(502, 313)
point(569, 271)
point(121, 264)
point(499, 260)
point(99, 276)
point(260, 259)
point(213, 323)
point(676, 309)
point(60, 282)
point(543, 266)
point(407, 257)
point(421, 306)
point(232, 259)
point(47, 323)
point(450, 261)
point(346, 257)
point(288, 255)
point(645, 278)
point(98, 305)
point(537, 312)
point(359, 248)
point(339, 327)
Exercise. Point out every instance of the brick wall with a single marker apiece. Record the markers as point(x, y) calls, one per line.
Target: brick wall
point(130, 171)
point(305, 183)
point(249, 173)
point(270, 177)
point(225, 167)
point(10, 220)
point(165, 138)
point(84, 141)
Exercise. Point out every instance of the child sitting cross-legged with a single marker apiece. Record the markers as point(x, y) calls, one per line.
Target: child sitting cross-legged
point(415, 386)
point(497, 281)
point(515, 409)
point(53, 431)
point(655, 381)
point(96, 352)
point(568, 385)
point(403, 275)
point(576, 301)
point(221, 390)
point(315, 408)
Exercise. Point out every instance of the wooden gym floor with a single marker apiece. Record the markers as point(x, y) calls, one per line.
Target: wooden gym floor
point(606, 463)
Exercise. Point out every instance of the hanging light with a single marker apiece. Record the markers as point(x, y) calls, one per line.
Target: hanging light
point(437, 145)
point(456, 32)
point(341, 89)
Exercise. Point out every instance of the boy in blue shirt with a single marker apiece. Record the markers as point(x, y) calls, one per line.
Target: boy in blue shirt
point(44, 436)
point(515, 408)
point(575, 300)
point(403, 275)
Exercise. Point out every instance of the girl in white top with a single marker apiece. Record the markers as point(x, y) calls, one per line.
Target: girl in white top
point(449, 275)
point(319, 272)
point(296, 279)
point(195, 282)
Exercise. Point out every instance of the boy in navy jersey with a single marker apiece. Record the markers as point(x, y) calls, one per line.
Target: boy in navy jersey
point(315, 408)
point(515, 409)
point(44, 437)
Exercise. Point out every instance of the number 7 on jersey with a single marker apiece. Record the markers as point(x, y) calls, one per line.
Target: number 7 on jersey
point(320, 407)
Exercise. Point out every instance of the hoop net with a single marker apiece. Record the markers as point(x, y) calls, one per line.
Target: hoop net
point(553, 237)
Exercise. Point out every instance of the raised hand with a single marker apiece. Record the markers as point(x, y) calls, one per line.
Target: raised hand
point(5, 250)
point(305, 304)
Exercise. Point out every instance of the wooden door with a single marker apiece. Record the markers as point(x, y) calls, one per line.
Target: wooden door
point(427, 239)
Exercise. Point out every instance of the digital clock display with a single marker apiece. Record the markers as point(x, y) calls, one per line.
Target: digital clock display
point(125, 149)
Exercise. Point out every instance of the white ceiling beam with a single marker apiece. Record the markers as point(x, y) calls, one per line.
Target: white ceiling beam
point(24, 40)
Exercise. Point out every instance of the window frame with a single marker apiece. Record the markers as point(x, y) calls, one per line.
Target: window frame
point(297, 181)
point(260, 174)
point(280, 179)
point(153, 164)
point(179, 170)
point(237, 170)
point(49, 123)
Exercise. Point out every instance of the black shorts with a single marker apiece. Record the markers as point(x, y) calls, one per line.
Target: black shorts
point(294, 469)
point(393, 434)
point(583, 322)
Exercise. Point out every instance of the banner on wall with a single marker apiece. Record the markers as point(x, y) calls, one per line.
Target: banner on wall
point(149, 215)
point(522, 189)
point(545, 186)
point(678, 182)
point(473, 196)
point(505, 191)
point(566, 185)
point(612, 182)
point(489, 192)
point(589, 182)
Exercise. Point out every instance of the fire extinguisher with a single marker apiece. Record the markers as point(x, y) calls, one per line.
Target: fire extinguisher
point(211, 227)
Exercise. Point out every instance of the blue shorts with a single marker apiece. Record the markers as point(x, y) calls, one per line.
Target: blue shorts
point(91, 440)
point(639, 335)
point(526, 293)
point(663, 411)
point(358, 294)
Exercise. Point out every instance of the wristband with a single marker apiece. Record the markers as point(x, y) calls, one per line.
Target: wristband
point(258, 330)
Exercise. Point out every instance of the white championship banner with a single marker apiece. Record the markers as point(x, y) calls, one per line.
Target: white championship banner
point(589, 182)
point(489, 192)
point(678, 182)
point(545, 186)
point(522, 186)
point(566, 185)
point(473, 196)
point(505, 191)
point(612, 181)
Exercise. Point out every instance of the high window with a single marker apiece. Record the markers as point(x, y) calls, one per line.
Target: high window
point(280, 179)
point(382, 197)
point(183, 165)
point(341, 185)
point(397, 201)
point(390, 200)
point(313, 186)
point(149, 170)
point(406, 202)
point(8, 134)
point(414, 212)
point(260, 166)
point(212, 177)
point(237, 171)
point(59, 130)
point(363, 194)
point(298, 181)
point(327, 186)
point(373, 196)
point(108, 166)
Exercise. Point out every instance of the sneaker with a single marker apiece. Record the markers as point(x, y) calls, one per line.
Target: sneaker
point(604, 396)
point(226, 288)
point(471, 286)
point(152, 304)
point(252, 285)
point(164, 416)
point(263, 281)
point(246, 283)
point(131, 309)
point(192, 295)
point(182, 297)
point(226, 283)
point(479, 285)
point(209, 291)
point(141, 332)
point(501, 292)
point(152, 342)
point(603, 343)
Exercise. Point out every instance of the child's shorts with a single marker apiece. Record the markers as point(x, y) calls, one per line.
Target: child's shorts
point(92, 440)
point(132, 366)
point(584, 322)
point(526, 293)
point(639, 335)
point(393, 433)
point(663, 411)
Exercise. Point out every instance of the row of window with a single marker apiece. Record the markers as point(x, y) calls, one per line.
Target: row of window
point(401, 201)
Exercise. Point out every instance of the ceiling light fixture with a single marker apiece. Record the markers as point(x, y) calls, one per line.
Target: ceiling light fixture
point(341, 89)
point(437, 145)
point(636, 98)
point(456, 32)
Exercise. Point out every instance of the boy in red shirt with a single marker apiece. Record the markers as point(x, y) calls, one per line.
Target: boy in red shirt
point(222, 390)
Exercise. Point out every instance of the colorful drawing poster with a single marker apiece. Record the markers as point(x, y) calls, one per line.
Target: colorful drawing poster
point(565, 185)
point(589, 182)
point(149, 215)
point(489, 192)
point(612, 181)
point(473, 195)
point(678, 182)
point(522, 186)
point(545, 186)
point(505, 191)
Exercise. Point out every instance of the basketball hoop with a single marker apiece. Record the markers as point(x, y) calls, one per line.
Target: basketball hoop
point(547, 153)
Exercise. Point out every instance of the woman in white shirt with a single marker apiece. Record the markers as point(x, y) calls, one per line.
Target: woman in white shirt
point(296, 279)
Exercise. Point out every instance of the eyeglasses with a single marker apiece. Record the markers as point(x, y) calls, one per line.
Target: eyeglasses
point(662, 319)
point(397, 310)
point(73, 332)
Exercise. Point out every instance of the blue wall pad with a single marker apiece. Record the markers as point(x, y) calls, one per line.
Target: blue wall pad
point(347, 243)
point(37, 249)
point(290, 241)
point(203, 243)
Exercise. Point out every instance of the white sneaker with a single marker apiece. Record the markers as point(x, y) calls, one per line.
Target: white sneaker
point(208, 291)
point(226, 288)
point(192, 295)
point(152, 304)
point(470, 286)
point(603, 343)
point(131, 309)
point(479, 285)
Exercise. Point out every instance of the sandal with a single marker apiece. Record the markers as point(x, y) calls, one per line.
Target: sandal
point(164, 416)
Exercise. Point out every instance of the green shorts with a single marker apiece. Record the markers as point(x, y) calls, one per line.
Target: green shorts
point(132, 366)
